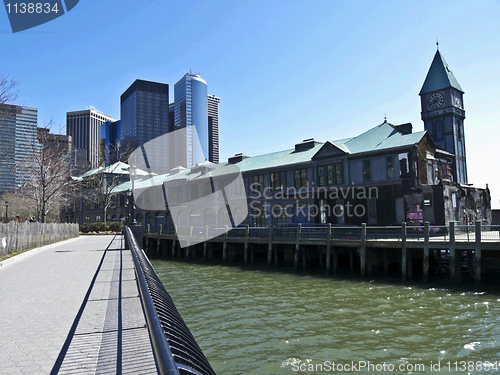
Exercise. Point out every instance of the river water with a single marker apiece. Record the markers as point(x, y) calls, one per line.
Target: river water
point(255, 321)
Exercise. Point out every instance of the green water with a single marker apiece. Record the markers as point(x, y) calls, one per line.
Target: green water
point(260, 322)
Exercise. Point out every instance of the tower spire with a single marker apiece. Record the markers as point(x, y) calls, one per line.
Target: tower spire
point(437, 43)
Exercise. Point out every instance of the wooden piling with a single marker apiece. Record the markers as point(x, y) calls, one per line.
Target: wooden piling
point(247, 234)
point(297, 246)
point(404, 263)
point(158, 241)
point(425, 258)
point(453, 253)
point(270, 246)
point(224, 245)
point(363, 249)
point(477, 250)
point(328, 246)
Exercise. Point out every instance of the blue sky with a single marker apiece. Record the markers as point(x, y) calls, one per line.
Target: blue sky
point(285, 70)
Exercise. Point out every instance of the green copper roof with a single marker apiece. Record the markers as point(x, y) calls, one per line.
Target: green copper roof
point(439, 76)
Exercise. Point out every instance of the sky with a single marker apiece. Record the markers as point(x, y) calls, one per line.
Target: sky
point(285, 70)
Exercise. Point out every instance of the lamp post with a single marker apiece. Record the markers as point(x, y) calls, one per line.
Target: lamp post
point(131, 205)
point(6, 211)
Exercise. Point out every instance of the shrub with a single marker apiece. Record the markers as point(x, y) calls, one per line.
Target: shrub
point(101, 227)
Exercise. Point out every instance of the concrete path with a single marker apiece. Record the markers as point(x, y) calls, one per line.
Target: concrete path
point(73, 308)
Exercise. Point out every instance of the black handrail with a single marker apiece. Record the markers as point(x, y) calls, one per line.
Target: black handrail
point(175, 348)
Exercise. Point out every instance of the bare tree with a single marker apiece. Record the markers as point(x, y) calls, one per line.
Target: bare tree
point(99, 184)
point(8, 89)
point(49, 181)
point(8, 94)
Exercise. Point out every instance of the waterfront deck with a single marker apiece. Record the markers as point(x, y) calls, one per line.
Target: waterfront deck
point(73, 308)
point(366, 246)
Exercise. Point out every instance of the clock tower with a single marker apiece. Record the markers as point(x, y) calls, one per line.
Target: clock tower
point(443, 113)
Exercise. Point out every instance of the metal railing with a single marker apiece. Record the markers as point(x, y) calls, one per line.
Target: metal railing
point(175, 348)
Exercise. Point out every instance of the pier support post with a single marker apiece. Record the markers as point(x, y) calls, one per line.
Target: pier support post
point(328, 246)
point(363, 249)
point(205, 243)
point(247, 234)
point(158, 241)
point(426, 251)
point(453, 254)
point(386, 263)
point(224, 245)
point(297, 246)
point(148, 229)
point(404, 262)
point(270, 247)
point(477, 250)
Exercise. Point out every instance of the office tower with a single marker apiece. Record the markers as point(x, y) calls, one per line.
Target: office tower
point(57, 143)
point(144, 112)
point(191, 117)
point(110, 135)
point(213, 128)
point(17, 143)
point(85, 129)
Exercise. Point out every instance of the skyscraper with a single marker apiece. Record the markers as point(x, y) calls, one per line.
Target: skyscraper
point(144, 112)
point(191, 115)
point(17, 143)
point(85, 130)
point(213, 128)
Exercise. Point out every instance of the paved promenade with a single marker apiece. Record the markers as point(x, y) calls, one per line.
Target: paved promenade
point(73, 308)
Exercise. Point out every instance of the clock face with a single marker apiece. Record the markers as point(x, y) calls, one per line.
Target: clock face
point(436, 100)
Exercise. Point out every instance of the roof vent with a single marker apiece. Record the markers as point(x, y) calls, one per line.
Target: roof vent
point(237, 158)
point(306, 144)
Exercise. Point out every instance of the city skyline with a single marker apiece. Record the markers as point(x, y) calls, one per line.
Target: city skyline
point(326, 70)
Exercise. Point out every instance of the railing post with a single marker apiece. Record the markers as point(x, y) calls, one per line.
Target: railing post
point(270, 246)
point(297, 246)
point(328, 246)
point(453, 254)
point(224, 246)
point(247, 234)
point(363, 249)
point(426, 251)
point(404, 262)
point(477, 249)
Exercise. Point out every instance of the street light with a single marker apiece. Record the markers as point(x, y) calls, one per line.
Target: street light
point(131, 205)
point(7, 210)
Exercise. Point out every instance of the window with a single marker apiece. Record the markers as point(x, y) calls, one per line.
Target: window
point(321, 175)
point(276, 181)
point(339, 175)
point(258, 183)
point(367, 170)
point(404, 166)
point(439, 130)
point(330, 175)
point(389, 162)
point(428, 200)
point(97, 218)
point(300, 178)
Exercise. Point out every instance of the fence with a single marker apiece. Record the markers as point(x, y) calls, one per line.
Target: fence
point(15, 238)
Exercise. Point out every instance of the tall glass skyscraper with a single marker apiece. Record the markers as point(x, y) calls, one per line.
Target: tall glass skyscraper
point(144, 112)
point(191, 114)
point(17, 143)
point(213, 128)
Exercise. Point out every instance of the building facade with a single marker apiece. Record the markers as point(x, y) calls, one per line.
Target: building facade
point(213, 128)
point(84, 127)
point(17, 143)
point(110, 134)
point(191, 121)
